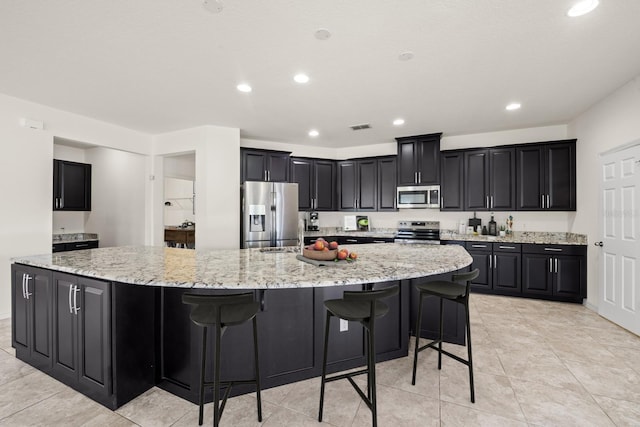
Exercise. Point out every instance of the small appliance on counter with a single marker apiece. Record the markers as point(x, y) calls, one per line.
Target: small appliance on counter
point(313, 223)
point(362, 222)
point(476, 223)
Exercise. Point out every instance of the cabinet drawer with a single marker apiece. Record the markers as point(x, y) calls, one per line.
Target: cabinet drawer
point(507, 247)
point(58, 247)
point(554, 249)
point(90, 244)
point(478, 246)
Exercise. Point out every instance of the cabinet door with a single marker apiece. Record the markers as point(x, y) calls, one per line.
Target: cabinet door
point(506, 272)
point(72, 186)
point(367, 185)
point(451, 186)
point(325, 185)
point(347, 185)
point(502, 179)
point(561, 176)
point(278, 167)
point(65, 334)
point(476, 180)
point(19, 311)
point(387, 175)
point(390, 329)
point(569, 275)
point(93, 304)
point(481, 254)
point(429, 162)
point(408, 162)
point(254, 165)
point(301, 173)
point(530, 178)
point(537, 274)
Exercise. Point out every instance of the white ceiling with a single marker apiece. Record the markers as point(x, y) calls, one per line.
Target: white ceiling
point(162, 65)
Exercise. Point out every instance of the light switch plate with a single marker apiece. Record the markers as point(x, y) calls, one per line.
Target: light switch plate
point(344, 325)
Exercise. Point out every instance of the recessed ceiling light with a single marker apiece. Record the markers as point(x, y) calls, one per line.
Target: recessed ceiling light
point(243, 87)
point(513, 106)
point(213, 6)
point(405, 56)
point(313, 133)
point(322, 34)
point(582, 8)
point(301, 78)
point(398, 122)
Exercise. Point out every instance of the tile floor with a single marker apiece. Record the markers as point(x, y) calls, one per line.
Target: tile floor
point(537, 363)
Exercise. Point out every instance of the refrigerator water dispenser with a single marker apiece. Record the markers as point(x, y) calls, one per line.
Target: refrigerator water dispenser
point(257, 215)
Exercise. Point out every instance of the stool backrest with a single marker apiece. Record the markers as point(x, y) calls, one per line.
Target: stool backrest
point(466, 277)
point(372, 295)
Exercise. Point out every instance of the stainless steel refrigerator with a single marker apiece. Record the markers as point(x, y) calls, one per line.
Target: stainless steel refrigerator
point(269, 214)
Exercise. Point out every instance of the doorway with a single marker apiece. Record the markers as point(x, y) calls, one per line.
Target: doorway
point(179, 215)
point(620, 224)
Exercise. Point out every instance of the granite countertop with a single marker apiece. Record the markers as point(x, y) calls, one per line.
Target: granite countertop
point(537, 237)
point(252, 268)
point(74, 237)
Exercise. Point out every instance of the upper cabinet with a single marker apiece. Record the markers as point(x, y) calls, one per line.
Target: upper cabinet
point(387, 173)
point(451, 180)
point(71, 186)
point(547, 176)
point(419, 160)
point(264, 165)
point(357, 184)
point(490, 180)
point(316, 179)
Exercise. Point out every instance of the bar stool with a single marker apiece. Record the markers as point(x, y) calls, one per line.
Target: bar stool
point(220, 311)
point(363, 307)
point(452, 291)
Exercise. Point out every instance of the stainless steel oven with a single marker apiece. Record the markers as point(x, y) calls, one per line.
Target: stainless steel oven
point(424, 232)
point(421, 196)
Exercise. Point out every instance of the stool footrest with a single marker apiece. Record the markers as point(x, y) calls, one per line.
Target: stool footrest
point(433, 345)
point(347, 375)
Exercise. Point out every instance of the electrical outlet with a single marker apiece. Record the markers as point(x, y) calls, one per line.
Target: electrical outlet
point(344, 325)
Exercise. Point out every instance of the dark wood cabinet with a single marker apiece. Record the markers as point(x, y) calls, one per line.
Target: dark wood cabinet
point(499, 265)
point(451, 181)
point(357, 185)
point(557, 271)
point(387, 175)
point(31, 327)
point(489, 179)
point(74, 246)
point(71, 186)
point(419, 159)
point(82, 333)
point(546, 176)
point(264, 165)
point(316, 179)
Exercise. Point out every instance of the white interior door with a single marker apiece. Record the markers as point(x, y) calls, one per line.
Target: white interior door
point(620, 198)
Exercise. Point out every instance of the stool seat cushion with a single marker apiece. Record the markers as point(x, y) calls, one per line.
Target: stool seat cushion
point(443, 289)
point(234, 314)
point(356, 310)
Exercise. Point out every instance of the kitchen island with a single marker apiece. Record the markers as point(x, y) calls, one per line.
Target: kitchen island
point(110, 323)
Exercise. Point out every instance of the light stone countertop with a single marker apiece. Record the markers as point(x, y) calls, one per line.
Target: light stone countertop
point(74, 237)
point(251, 268)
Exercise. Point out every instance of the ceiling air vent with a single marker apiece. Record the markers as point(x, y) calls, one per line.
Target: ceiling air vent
point(361, 126)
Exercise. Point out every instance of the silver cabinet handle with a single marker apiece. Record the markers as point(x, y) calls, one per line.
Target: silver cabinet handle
point(556, 265)
point(379, 241)
point(490, 263)
point(495, 261)
point(542, 200)
point(75, 299)
point(478, 246)
point(553, 249)
point(507, 247)
point(486, 203)
point(70, 306)
point(550, 265)
point(352, 240)
point(491, 202)
point(415, 177)
point(24, 294)
point(419, 177)
point(548, 203)
point(26, 286)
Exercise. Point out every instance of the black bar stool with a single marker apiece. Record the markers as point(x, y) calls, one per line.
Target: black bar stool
point(220, 311)
point(363, 307)
point(456, 292)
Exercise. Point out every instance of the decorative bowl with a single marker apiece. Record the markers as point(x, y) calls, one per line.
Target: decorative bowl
point(320, 255)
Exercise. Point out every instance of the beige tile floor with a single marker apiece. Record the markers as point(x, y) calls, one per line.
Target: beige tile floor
point(537, 363)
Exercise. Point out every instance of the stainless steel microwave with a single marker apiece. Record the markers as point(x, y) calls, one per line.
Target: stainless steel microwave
point(421, 196)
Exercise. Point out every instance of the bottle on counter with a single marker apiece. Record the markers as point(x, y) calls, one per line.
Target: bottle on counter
point(493, 230)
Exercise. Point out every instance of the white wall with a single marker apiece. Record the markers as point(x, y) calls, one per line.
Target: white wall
point(612, 122)
point(217, 153)
point(26, 174)
point(118, 197)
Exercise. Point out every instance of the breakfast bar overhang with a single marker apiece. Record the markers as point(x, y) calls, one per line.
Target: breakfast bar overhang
point(110, 322)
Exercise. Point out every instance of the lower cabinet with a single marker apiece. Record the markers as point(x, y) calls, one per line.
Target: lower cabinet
point(557, 271)
point(95, 336)
point(499, 265)
point(31, 313)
